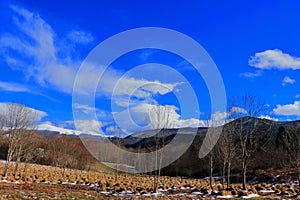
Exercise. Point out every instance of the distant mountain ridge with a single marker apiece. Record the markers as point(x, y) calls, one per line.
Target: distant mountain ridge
point(49, 129)
point(189, 163)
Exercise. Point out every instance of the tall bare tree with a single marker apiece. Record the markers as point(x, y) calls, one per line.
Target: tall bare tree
point(226, 149)
point(160, 120)
point(248, 137)
point(26, 148)
point(16, 120)
point(211, 124)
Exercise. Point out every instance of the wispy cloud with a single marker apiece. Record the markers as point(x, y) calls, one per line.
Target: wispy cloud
point(47, 57)
point(287, 81)
point(36, 51)
point(79, 36)
point(51, 68)
point(252, 74)
point(13, 87)
point(274, 59)
point(89, 110)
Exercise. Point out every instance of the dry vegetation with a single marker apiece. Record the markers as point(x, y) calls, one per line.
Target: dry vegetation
point(59, 183)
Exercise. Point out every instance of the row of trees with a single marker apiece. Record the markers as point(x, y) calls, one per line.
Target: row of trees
point(245, 143)
point(21, 143)
point(244, 139)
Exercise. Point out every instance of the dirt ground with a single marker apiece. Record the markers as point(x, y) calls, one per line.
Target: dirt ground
point(47, 191)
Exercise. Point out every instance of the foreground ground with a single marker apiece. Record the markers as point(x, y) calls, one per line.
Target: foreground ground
point(44, 182)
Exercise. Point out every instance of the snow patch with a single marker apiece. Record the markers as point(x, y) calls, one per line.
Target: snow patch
point(250, 196)
point(48, 126)
point(266, 191)
point(225, 197)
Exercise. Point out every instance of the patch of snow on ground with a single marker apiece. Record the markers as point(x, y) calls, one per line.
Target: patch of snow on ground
point(225, 197)
point(250, 196)
point(197, 193)
point(106, 193)
point(146, 195)
point(266, 191)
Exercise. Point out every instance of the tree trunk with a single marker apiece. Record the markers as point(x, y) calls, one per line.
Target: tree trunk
point(156, 164)
point(298, 176)
point(25, 172)
point(244, 175)
point(9, 157)
point(5, 169)
point(228, 175)
point(18, 160)
point(223, 174)
point(211, 171)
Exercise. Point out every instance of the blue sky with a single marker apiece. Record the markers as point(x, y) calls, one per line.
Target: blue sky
point(254, 44)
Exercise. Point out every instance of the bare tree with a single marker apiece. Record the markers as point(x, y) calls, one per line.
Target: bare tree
point(290, 140)
point(26, 147)
point(29, 151)
point(226, 149)
point(160, 121)
point(248, 137)
point(210, 123)
point(16, 120)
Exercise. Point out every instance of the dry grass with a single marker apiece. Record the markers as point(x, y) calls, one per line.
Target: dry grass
point(46, 182)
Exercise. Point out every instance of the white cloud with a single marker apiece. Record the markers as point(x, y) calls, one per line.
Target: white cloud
point(288, 109)
point(269, 118)
point(192, 122)
point(89, 111)
point(217, 119)
point(238, 110)
point(51, 64)
point(39, 114)
point(13, 87)
point(40, 52)
point(297, 96)
point(80, 36)
point(112, 129)
point(274, 59)
point(137, 118)
point(86, 109)
point(138, 87)
point(89, 126)
point(287, 81)
point(252, 74)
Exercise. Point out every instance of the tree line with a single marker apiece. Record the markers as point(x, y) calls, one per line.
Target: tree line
point(245, 143)
point(19, 142)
